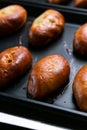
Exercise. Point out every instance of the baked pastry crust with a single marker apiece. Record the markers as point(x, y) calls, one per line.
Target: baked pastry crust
point(46, 27)
point(48, 75)
point(12, 18)
point(57, 1)
point(80, 40)
point(79, 88)
point(81, 3)
point(14, 62)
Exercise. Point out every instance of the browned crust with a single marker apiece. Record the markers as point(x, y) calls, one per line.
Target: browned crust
point(46, 27)
point(80, 88)
point(13, 63)
point(57, 1)
point(47, 75)
point(80, 40)
point(81, 3)
point(12, 18)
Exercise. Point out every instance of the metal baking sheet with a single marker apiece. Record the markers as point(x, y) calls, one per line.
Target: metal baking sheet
point(14, 99)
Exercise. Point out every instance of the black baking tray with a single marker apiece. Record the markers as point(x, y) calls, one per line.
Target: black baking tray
point(59, 108)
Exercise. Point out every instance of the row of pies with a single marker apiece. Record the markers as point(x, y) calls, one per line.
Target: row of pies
point(46, 27)
point(77, 3)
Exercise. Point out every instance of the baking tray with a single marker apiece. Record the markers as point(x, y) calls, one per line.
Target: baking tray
point(59, 108)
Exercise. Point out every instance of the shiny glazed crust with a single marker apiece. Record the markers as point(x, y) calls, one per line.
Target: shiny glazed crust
point(80, 40)
point(57, 1)
point(12, 18)
point(13, 63)
point(46, 27)
point(47, 75)
point(81, 3)
point(80, 88)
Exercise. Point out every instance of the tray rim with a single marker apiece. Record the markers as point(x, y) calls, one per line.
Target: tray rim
point(56, 5)
point(45, 5)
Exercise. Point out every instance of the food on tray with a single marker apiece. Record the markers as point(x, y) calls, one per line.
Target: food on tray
point(46, 27)
point(47, 75)
point(81, 3)
point(80, 40)
point(13, 63)
point(80, 88)
point(57, 1)
point(12, 18)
